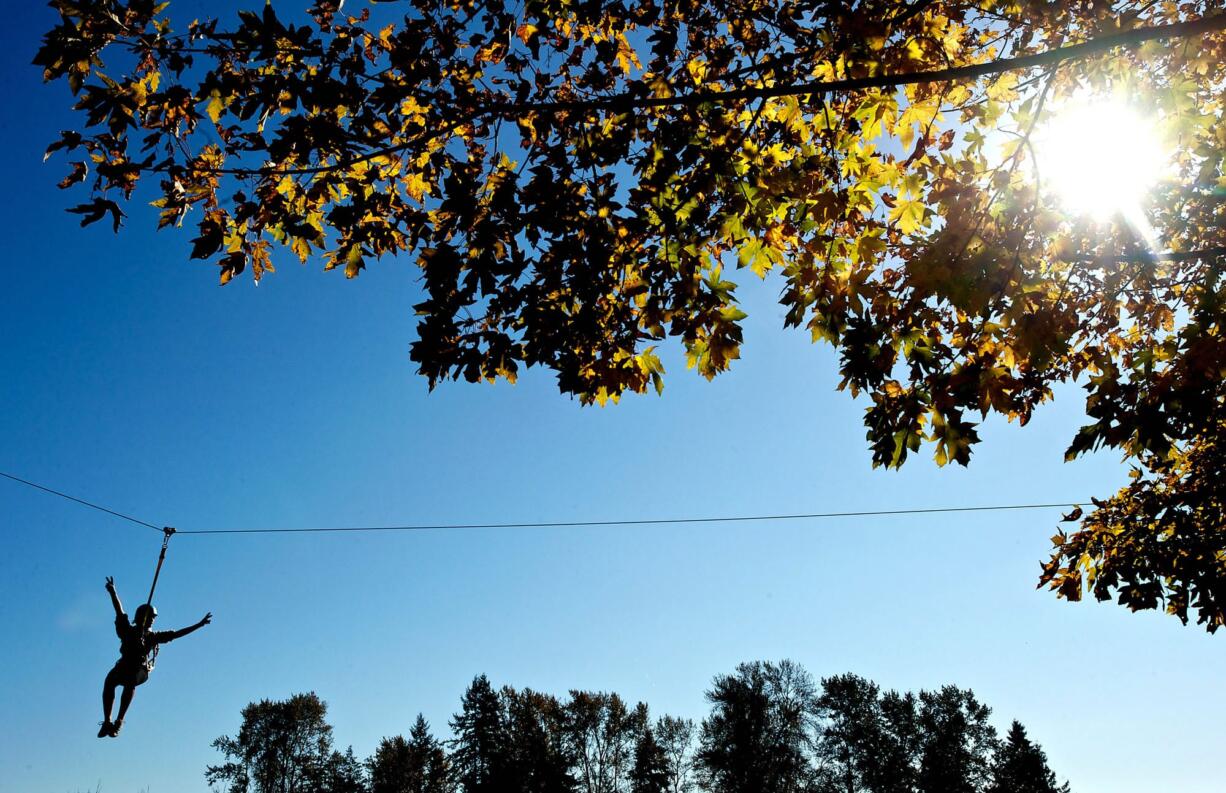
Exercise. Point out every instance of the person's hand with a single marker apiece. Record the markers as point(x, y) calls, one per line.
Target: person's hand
point(207, 618)
point(110, 584)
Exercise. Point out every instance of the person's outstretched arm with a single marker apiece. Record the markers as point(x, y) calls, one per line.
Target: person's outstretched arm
point(110, 588)
point(179, 634)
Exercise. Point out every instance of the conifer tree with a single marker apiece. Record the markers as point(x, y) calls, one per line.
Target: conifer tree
point(480, 750)
point(1021, 766)
point(649, 774)
point(416, 765)
point(343, 774)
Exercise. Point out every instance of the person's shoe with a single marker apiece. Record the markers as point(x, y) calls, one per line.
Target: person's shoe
point(115, 727)
point(104, 730)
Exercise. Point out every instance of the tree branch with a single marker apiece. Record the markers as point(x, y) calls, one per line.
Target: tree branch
point(1126, 39)
point(1169, 256)
point(625, 102)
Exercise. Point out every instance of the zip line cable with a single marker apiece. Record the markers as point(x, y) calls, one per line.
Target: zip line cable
point(165, 531)
point(557, 524)
point(644, 522)
point(81, 501)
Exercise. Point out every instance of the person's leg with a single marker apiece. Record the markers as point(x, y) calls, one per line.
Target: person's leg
point(129, 680)
point(125, 699)
point(108, 700)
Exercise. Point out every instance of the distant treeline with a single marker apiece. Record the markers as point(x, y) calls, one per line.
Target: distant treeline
point(770, 729)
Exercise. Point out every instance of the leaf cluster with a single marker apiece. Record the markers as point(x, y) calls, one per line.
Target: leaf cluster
point(579, 184)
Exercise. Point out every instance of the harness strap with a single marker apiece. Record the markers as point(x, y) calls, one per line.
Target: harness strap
point(167, 531)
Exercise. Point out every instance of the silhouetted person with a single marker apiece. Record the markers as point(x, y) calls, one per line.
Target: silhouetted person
point(137, 641)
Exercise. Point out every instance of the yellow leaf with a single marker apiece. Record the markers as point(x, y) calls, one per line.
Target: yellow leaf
point(413, 109)
point(697, 70)
point(215, 106)
point(301, 248)
point(909, 215)
point(868, 246)
point(416, 186)
point(626, 56)
point(353, 261)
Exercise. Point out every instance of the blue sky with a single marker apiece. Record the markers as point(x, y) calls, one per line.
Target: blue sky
point(129, 377)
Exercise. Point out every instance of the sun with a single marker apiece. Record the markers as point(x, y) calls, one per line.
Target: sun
point(1101, 158)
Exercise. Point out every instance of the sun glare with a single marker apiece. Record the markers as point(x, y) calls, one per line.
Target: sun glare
point(1101, 158)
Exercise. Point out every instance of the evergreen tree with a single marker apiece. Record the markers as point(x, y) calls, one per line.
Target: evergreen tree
point(416, 765)
point(650, 772)
point(390, 766)
point(1021, 766)
point(480, 749)
point(343, 774)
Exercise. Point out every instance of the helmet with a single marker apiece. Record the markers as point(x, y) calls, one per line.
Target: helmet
point(145, 614)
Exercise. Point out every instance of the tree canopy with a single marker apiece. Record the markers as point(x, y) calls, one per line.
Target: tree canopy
point(770, 728)
point(285, 747)
point(416, 765)
point(581, 182)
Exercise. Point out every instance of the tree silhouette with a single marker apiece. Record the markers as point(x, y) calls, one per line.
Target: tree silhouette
point(579, 182)
point(284, 747)
point(1021, 766)
point(650, 772)
point(898, 734)
point(769, 730)
point(956, 742)
point(867, 741)
point(480, 751)
point(416, 765)
point(344, 773)
point(538, 756)
point(676, 739)
point(757, 735)
point(849, 735)
point(601, 732)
